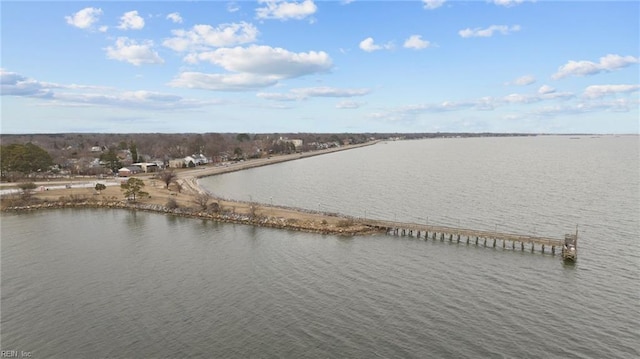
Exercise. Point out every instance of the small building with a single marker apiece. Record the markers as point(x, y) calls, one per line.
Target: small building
point(147, 167)
point(177, 163)
point(129, 171)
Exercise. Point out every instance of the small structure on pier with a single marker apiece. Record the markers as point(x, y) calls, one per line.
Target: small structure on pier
point(570, 247)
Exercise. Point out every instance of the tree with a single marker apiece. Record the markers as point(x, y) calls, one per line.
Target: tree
point(133, 188)
point(100, 187)
point(196, 145)
point(25, 159)
point(202, 199)
point(237, 152)
point(111, 160)
point(134, 152)
point(167, 176)
point(241, 137)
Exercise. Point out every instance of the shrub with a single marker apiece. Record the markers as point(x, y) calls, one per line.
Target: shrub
point(171, 203)
point(100, 187)
point(344, 223)
point(214, 207)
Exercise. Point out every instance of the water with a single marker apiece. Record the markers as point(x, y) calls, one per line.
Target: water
point(100, 283)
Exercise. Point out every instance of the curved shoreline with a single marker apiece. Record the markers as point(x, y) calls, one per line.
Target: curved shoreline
point(237, 212)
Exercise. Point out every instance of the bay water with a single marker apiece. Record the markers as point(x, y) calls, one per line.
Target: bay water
point(80, 283)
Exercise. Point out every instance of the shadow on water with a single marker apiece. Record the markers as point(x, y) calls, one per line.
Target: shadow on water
point(569, 264)
point(135, 219)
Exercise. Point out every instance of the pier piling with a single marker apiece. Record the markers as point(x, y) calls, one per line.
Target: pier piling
point(442, 232)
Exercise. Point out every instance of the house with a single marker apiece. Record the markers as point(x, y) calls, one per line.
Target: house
point(147, 167)
point(129, 171)
point(177, 163)
point(200, 159)
point(189, 161)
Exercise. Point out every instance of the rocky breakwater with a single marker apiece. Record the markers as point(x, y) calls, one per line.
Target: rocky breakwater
point(346, 226)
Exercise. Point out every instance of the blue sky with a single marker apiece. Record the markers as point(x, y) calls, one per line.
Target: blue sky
point(320, 66)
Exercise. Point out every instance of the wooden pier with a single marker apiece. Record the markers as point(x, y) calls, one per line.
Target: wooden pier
point(471, 236)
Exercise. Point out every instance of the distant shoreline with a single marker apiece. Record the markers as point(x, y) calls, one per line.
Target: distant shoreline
point(240, 166)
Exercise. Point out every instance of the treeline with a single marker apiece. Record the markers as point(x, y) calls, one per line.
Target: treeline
point(95, 153)
point(32, 155)
point(161, 145)
point(167, 146)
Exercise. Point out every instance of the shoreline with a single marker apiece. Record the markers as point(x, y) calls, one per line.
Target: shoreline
point(229, 211)
point(349, 228)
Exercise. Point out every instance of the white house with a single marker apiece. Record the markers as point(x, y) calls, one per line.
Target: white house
point(147, 166)
point(128, 171)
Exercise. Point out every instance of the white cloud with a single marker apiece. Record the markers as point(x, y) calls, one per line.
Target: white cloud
point(524, 80)
point(546, 89)
point(411, 112)
point(299, 94)
point(488, 32)
point(349, 105)
point(584, 68)
point(233, 6)
point(103, 28)
point(369, 45)
point(416, 42)
point(597, 91)
point(14, 84)
point(84, 18)
point(507, 3)
point(140, 100)
point(133, 52)
point(266, 60)
point(618, 105)
point(251, 68)
point(223, 82)
point(521, 98)
point(131, 21)
point(175, 17)
point(205, 36)
point(432, 4)
point(330, 92)
point(276, 96)
point(284, 10)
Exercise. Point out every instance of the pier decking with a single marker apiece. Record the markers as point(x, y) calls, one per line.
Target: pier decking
point(470, 236)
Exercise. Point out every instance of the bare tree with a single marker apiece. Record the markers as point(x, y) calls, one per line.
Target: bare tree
point(167, 176)
point(202, 199)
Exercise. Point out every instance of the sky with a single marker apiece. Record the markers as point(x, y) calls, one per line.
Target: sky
point(271, 66)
